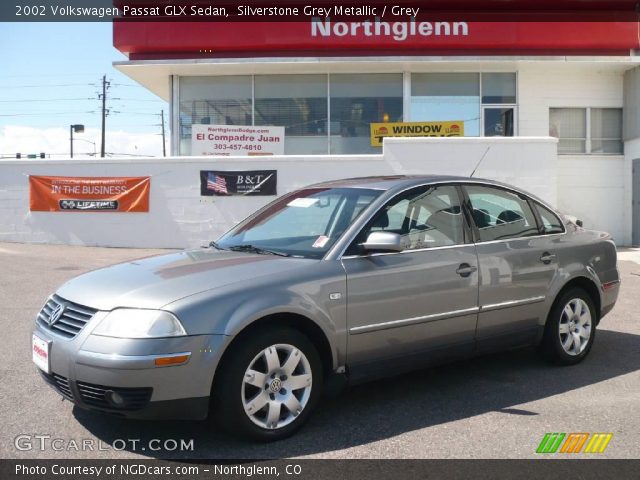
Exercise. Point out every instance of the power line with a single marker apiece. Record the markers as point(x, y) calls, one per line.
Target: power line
point(51, 75)
point(118, 112)
point(45, 114)
point(52, 85)
point(44, 100)
point(129, 154)
point(127, 85)
point(141, 100)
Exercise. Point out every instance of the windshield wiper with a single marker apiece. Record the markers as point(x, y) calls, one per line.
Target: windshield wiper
point(254, 249)
point(216, 246)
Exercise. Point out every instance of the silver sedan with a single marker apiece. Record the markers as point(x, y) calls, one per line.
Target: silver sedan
point(336, 283)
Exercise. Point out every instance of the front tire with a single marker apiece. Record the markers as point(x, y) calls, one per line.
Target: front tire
point(268, 384)
point(571, 328)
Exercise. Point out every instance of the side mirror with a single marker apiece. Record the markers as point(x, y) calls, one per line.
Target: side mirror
point(383, 241)
point(579, 223)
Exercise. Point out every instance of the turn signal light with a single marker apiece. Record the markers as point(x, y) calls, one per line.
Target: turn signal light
point(174, 360)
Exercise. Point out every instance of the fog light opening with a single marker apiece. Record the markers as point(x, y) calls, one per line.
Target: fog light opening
point(114, 398)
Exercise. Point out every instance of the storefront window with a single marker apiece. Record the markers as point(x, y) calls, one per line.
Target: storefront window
point(447, 97)
point(356, 102)
point(570, 126)
point(498, 88)
point(332, 114)
point(499, 121)
point(213, 101)
point(498, 91)
point(606, 130)
point(604, 136)
point(298, 103)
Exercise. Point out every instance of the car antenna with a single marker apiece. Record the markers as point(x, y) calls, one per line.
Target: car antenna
point(480, 161)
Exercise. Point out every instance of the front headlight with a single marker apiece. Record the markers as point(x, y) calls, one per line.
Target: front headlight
point(139, 323)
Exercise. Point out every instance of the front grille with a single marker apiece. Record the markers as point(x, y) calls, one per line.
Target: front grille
point(60, 383)
point(73, 319)
point(98, 396)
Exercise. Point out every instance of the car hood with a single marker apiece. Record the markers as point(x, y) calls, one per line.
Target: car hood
point(157, 281)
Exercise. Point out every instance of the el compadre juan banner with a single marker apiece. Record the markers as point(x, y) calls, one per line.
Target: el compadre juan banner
point(89, 194)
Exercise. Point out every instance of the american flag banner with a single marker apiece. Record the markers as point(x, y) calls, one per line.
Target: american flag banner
point(230, 183)
point(217, 183)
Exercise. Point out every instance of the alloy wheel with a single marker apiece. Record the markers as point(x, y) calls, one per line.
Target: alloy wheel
point(276, 386)
point(575, 326)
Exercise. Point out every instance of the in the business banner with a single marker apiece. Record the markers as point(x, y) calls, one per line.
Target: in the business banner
point(89, 194)
point(252, 182)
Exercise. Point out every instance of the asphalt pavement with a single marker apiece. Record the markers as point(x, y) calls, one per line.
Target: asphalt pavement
point(497, 406)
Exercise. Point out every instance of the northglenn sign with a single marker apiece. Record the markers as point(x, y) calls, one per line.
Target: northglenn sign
point(398, 31)
point(370, 37)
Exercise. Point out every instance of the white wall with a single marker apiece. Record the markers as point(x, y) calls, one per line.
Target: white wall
point(529, 163)
point(543, 86)
point(631, 152)
point(594, 188)
point(180, 217)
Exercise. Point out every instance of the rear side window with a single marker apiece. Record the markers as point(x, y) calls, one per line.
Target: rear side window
point(550, 221)
point(500, 214)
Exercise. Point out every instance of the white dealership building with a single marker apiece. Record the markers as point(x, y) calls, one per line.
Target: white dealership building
point(326, 82)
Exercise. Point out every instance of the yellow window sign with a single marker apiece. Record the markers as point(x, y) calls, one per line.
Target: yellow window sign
point(415, 129)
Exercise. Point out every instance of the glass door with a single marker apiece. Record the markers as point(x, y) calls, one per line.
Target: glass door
point(499, 121)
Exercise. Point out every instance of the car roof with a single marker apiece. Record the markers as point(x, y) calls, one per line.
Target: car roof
point(400, 182)
point(391, 182)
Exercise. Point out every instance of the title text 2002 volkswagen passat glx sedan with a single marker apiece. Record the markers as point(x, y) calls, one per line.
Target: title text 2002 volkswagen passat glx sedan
point(347, 279)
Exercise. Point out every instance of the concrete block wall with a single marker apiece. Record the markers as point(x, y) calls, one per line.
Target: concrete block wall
point(594, 188)
point(632, 152)
point(563, 85)
point(179, 217)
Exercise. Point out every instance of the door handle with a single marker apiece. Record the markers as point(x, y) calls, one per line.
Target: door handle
point(547, 258)
point(464, 270)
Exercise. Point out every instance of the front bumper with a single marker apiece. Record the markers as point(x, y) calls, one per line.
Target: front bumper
point(120, 377)
point(178, 409)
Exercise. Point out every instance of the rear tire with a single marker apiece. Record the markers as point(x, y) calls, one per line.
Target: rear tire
point(570, 329)
point(268, 385)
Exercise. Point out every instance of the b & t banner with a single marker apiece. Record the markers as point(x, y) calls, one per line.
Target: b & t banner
point(252, 182)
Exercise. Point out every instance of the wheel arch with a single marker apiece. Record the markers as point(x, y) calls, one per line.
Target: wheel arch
point(586, 284)
point(295, 321)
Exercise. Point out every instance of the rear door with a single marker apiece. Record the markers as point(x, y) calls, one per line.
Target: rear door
point(517, 266)
point(403, 307)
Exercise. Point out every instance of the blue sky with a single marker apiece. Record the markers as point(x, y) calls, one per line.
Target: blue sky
point(50, 78)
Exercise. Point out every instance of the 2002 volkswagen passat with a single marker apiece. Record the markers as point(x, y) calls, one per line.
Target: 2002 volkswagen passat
point(347, 279)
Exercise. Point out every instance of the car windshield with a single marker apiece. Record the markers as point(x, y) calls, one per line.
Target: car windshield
point(305, 223)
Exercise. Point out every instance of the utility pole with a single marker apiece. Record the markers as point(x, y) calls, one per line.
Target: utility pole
point(105, 85)
point(164, 145)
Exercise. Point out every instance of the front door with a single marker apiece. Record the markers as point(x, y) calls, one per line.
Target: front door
point(411, 305)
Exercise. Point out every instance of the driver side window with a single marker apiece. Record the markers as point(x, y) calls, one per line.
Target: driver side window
point(424, 217)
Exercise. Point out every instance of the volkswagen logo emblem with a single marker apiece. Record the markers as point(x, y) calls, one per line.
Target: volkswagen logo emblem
point(56, 314)
point(275, 385)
